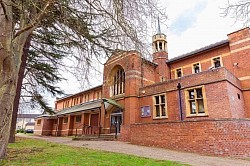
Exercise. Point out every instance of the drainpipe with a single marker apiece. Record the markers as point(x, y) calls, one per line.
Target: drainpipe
point(100, 116)
point(116, 128)
point(179, 91)
point(57, 125)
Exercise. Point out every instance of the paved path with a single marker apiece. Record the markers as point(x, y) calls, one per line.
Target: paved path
point(149, 152)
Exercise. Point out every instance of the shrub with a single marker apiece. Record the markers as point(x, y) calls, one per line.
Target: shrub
point(22, 131)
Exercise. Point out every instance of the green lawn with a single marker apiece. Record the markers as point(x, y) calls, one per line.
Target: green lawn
point(32, 152)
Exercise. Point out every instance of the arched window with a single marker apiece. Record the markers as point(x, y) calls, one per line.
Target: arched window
point(118, 84)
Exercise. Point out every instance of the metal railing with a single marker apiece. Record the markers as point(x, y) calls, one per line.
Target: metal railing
point(93, 130)
point(87, 130)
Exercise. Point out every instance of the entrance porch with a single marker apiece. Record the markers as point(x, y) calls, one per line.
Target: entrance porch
point(93, 118)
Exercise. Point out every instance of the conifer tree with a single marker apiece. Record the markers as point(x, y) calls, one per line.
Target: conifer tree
point(80, 29)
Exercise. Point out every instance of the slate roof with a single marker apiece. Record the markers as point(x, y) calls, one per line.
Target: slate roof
point(81, 107)
point(77, 108)
point(200, 50)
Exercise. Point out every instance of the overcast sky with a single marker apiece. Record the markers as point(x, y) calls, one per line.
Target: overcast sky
point(191, 25)
point(196, 23)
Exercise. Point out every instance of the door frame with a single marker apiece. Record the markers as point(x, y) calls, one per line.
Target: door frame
point(117, 114)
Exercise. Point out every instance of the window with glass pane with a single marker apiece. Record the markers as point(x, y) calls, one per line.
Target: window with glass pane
point(156, 99)
point(200, 106)
point(192, 107)
point(217, 62)
point(78, 118)
point(195, 101)
point(199, 93)
point(159, 106)
point(65, 120)
point(163, 110)
point(119, 82)
point(196, 68)
point(178, 73)
point(38, 122)
point(191, 94)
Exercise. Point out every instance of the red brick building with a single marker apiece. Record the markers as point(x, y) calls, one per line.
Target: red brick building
point(197, 102)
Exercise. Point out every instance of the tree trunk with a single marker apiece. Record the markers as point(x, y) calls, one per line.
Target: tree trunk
point(7, 94)
point(18, 90)
point(11, 51)
point(7, 77)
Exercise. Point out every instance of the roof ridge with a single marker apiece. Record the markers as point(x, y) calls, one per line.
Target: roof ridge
point(197, 51)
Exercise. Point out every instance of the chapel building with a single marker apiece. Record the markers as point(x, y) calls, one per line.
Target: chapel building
point(196, 102)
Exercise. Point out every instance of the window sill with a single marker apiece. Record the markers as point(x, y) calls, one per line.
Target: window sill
point(118, 96)
point(146, 116)
point(197, 115)
point(163, 117)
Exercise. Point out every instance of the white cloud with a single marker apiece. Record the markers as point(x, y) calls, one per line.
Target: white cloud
point(210, 27)
point(187, 19)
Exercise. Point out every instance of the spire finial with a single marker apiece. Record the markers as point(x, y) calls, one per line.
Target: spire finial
point(159, 27)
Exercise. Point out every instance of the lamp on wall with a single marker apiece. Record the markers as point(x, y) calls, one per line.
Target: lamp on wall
point(236, 64)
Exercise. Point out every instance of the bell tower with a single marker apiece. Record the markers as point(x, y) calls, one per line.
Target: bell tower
point(160, 54)
point(159, 41)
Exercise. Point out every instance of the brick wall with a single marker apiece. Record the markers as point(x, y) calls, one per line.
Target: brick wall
point(125, 134)
point(47, 126)
point(221, 92)
point(38, 127)
point(246, 95)
point(227, 137)
point(236, 101)
point(204, 59)
point(81, 97)
point(44, 128)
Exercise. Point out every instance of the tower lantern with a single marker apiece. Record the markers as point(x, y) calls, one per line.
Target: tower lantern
point(160, 54)
point(159, 40)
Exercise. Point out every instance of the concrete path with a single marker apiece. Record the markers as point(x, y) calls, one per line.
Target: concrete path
point(149, 152)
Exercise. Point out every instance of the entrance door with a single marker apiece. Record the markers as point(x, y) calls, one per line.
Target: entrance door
point(116, 121)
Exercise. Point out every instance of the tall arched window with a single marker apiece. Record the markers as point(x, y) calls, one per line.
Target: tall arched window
point(118, 84)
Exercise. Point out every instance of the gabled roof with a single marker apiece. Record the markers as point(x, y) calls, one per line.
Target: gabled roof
point(199, 51)
point(77, 108)
point(81, 107)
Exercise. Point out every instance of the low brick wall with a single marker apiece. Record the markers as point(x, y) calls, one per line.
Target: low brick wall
point(220, 137)
point(125, 133)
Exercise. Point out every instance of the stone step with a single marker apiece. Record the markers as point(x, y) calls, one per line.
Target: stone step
point(103, 137)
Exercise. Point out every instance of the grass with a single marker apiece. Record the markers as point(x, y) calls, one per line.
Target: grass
point(31, 152)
